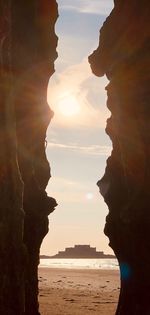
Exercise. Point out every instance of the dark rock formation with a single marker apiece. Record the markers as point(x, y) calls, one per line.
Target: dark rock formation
point(27, 53)
point(123, 55)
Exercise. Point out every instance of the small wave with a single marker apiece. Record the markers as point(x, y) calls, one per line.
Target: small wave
point(105, 264)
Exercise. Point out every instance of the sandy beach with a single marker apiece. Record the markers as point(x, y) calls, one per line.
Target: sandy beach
point(78, 292)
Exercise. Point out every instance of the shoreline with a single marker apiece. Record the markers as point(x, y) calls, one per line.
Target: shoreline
point(107, 264)
point(78, 291)
point(53, 257)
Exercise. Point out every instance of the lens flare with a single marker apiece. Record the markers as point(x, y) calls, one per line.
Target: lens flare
point(89, 196)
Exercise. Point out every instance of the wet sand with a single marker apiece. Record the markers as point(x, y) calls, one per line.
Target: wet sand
point(78, 292)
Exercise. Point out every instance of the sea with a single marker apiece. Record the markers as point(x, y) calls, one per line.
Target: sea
point(105, 264)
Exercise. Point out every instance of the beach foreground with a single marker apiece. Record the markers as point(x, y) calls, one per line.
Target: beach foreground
point(78, 291)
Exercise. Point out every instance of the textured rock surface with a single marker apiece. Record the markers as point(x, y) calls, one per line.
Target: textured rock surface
point(123, 55)
point(27, 53)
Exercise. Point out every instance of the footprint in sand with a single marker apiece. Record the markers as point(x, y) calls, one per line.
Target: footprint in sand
point(80, 295)
point(59, 281)
point(70, 281)
point(70, 300)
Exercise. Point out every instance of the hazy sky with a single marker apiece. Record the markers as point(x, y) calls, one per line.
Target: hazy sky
point(77, 144)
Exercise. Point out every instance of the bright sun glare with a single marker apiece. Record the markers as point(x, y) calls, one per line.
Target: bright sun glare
point(68, 105)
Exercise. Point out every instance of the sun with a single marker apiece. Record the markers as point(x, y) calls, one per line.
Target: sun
point(68, 105)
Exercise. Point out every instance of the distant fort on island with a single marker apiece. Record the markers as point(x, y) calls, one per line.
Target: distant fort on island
point(80, 251)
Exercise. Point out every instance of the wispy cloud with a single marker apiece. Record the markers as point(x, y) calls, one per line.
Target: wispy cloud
point(91, 150)
point(77, 192)
point(102, 7)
